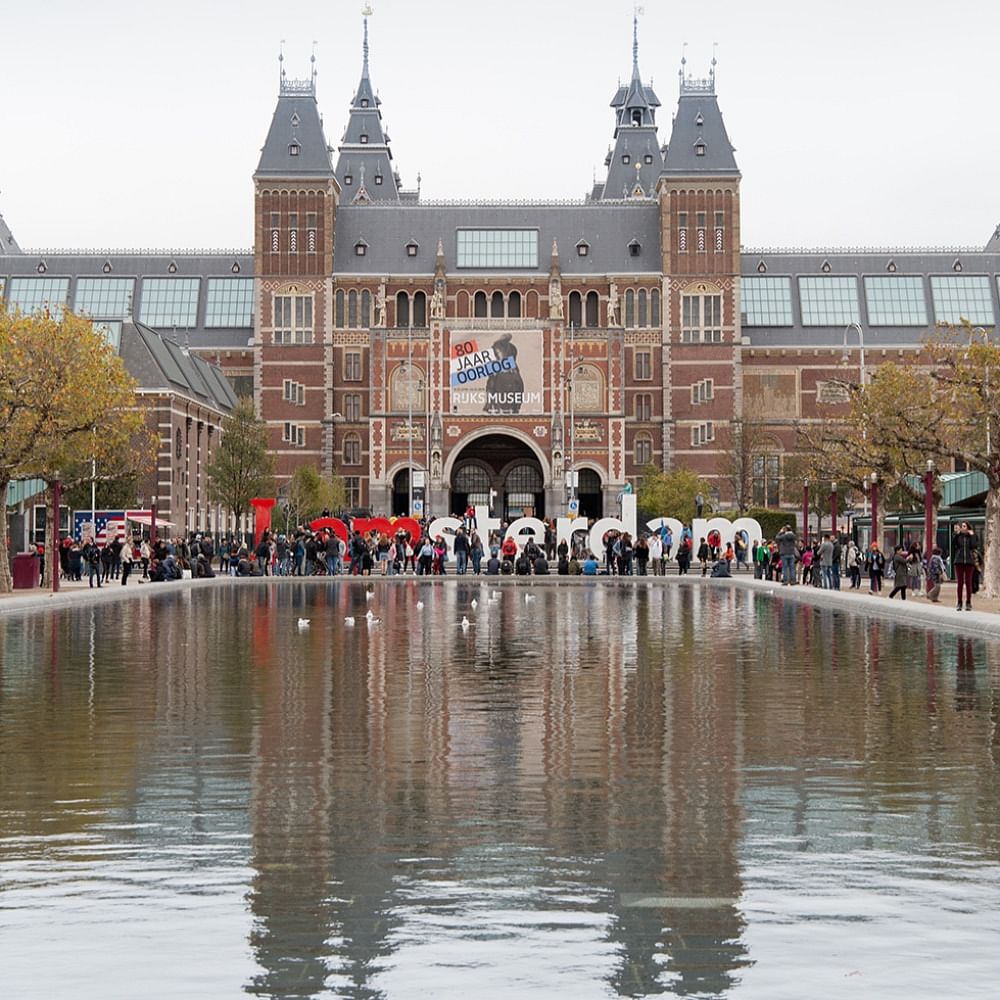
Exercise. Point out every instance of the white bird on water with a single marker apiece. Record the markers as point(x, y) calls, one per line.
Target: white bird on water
point(474, 604)
point(528, 597)
point(466, 624)
point(371, 619)
point(303, 623)
point(492, 600)
point(349, 620)
point(369, 594)
point(420, 605)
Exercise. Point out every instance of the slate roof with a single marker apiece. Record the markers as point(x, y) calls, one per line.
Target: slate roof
point(364, 166)
point(296, 122)
point(699, 121)
point(607, 227)
point(8, 245)
point(994, 244)
point(160, 365)
point(859, 264)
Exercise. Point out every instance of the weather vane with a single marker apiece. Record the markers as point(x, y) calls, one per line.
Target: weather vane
point(367, 10)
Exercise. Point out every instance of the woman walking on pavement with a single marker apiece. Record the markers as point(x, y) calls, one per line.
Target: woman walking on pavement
point(964, 550)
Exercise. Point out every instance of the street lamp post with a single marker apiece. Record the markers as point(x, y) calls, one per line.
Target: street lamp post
point(874, 498)
point(929, 508)
point(833, 509)
point(856, 327)
point(805, 512)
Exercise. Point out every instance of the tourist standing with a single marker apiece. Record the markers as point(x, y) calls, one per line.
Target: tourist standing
point(936, 573)
point(703, 553)
point(876, 567)
point(854, 565)
point(964, 551)
point(826, 562)
point(899, 572)
point(786, 552)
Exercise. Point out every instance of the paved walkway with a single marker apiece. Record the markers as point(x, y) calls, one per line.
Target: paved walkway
point(983, 620)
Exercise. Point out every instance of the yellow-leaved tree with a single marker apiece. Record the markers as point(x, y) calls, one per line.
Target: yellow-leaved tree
point(65, 398)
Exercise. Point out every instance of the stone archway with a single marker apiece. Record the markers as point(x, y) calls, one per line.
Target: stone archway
point(502, 465)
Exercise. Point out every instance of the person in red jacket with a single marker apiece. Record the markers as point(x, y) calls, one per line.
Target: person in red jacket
point(509, 550)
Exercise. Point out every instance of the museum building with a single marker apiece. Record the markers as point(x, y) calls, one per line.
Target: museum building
point(518, 354)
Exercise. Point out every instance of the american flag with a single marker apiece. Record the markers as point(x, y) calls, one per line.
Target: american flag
point(109, 523)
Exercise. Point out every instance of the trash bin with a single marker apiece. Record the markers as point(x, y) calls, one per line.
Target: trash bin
point(26, 571)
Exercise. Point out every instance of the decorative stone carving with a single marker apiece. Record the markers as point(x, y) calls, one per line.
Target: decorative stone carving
point(613, 305)
point(380, 310)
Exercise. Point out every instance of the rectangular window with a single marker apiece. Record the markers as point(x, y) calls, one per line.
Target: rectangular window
point(497, 248)
point(229, 303)
point(352, 492)
point(766, 301)
point(702, 434)
point(294, 434)
point(766, 480)
point(643, 406)
point(644, 365)
point(896, 301)
point(104, 298)
point(352, 450)
point(830, 301)
point(643, 450)
point(352, 366)
point(168, 302)
point(31, 295)
point(959, 296)
point(701, 319)
point(293, 319)
point(293, 392)
point(703, 391)
point(352, 407)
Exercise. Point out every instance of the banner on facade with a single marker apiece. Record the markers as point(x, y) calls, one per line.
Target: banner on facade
point(496, 373)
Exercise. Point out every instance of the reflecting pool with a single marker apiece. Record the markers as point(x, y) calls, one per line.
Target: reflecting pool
point(600, 791)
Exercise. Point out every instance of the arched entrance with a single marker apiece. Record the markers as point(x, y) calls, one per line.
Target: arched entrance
point(401, 493)
point(590, 495)
point(507, 467)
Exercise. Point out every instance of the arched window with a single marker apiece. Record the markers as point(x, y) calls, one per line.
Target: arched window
point(462, 304)
point(339, 318)
point(531, 304)
point(402, 309)
point(472, 479)
point(590, 481)
point(575, 309)
point(767, 477)
point(352, 449)
point(654, 307)
point(629, 308)
point(642, 308)
point(496, 305)
point(593, 310)
point(419, 309)
point(479, 306)
point(366, 309)
point(352, 309)
point(406, 388)
point(643, 449)
point(514, 305)
point(523, 478)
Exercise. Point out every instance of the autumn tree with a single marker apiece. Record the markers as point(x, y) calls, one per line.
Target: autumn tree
point(308, 494)
point(65, 398)
point(242, 465)
point(671, 494)
point(744, 441)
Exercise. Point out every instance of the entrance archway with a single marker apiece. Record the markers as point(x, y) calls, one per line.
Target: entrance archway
point(507, 467)
point(590, 495)
point(401, 493)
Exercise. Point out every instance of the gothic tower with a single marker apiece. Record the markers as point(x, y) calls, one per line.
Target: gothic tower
point(295, 201)
point(699, 195)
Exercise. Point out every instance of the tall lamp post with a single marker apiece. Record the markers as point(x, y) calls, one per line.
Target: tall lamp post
point(805, 512)
point(856, 327)
point(929, 508)
point(833, 510)
point(874, 499)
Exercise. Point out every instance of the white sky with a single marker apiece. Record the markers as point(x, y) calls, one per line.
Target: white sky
point(129, 123)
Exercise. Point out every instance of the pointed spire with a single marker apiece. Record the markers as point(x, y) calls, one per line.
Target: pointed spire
point(367, 12)
point(635, 43)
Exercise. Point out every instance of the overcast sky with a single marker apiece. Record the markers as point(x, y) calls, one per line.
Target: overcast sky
point(133, 124)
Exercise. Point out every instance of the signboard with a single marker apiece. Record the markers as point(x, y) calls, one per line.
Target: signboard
point(419, 478)
point(832, 392)
point(496, 373)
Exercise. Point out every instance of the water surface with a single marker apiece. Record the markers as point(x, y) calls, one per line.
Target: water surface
point(608, 790)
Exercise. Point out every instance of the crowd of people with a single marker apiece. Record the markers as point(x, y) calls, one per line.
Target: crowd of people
point(832, 559)
point(828, 562)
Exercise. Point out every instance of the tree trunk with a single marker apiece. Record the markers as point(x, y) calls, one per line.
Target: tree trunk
point(991, 543)
point(5, 581)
